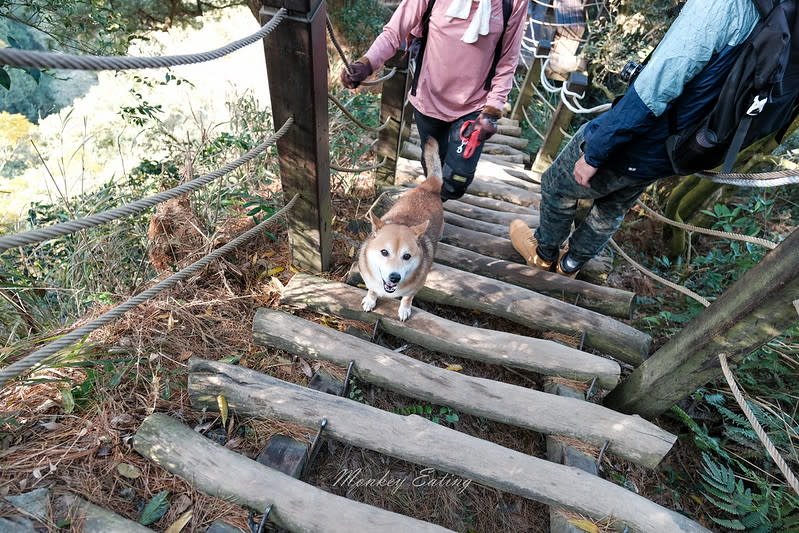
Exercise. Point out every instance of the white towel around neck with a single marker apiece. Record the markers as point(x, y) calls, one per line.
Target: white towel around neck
point(479, 25)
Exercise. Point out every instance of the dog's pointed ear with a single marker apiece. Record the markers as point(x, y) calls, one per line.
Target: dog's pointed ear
point(419, 229)
point(377, 224)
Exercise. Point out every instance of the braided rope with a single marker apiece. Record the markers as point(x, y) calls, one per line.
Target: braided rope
point(72, 226)
point(359, 169)
point(16, 368)
point(340, 51)
point(758, 179)
point(679, 288)
point(725, 369)
point(750, 416)
point(355, 120)
point(28, 58)
point(734, 236)
point(530, 124)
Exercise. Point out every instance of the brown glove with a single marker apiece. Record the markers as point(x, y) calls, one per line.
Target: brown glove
point(487, 121)
point(358, 71)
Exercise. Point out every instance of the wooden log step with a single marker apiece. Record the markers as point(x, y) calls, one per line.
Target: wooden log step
point(489, 148)
point(520, 143)
point(497, 205)
point(223, 473)
point(497, 230)
point(514, 161)
point(408, 170)
point(491, 169)
point(504, 121)
point(506, 179)
point(599, 298)
point(450, 286)
point(504, 129)
point(596, 270)
point(418, 440)
point(490, 215)
point(442, 335)
point(479, 242)
point(630, 436)
point(93, 518)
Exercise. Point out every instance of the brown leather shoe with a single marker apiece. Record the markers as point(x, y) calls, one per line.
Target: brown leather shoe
point(526, 244)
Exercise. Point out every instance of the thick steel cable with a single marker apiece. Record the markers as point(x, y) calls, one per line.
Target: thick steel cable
point(72, 226)
point(16, 368)
point(27, 58)
point(359, 169)
point(750, 416)
point(355, 120)
point(688, 227)
point(728, 376)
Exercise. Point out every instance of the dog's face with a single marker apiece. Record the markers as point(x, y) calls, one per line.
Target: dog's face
point(394, 254)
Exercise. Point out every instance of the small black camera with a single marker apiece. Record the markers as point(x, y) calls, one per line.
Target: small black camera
point(630, 71)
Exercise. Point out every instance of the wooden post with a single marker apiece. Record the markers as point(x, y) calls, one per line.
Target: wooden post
point(392, 104)
point(753, 311)
point(296, 63)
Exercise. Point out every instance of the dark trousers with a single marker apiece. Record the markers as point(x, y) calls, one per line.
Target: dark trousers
point(613, 194)
point(458, 172)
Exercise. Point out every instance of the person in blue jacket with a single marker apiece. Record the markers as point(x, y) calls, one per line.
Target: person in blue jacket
point(614, 157)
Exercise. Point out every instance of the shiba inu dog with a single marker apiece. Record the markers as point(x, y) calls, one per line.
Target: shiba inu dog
point(395, 259)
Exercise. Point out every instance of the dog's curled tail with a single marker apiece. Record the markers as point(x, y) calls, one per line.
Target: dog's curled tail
point(432, 162)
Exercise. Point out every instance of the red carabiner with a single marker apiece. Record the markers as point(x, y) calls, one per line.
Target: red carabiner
point(470, 135)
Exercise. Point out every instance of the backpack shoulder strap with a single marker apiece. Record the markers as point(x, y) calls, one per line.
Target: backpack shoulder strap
point(765, 6)
point(507, 9)
point(422, 44)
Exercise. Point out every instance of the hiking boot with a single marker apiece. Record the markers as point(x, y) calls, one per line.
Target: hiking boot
point(566, 266)
point(526, 244)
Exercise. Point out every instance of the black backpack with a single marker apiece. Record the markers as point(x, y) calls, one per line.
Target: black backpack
point(757, 99)
point(418, 46)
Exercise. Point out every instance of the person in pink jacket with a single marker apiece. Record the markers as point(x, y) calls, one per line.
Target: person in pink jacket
point(464, 71)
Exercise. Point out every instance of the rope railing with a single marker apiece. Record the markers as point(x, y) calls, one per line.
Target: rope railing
point(358, 169)
point(28, 58)
point(355, 120)
point(343, 57)
point(26, 363)
point(727, 373)
point(715, 233)
point(72, 226)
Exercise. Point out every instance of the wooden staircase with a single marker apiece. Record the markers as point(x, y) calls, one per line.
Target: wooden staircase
point(476, 269)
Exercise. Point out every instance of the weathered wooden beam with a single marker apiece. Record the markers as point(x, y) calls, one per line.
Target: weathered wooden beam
point(392, 105)
point(757, 308)
point(552, 138)
point(417, 440)
point(496, 205)
point(630, 437)
point(450, 286)
point(445, 336)
point(490, 215)
point(531, 79)
point(497, 230)
point(296, 57)
point(89, 518)
point(479, 242)
point(605, 300)
point(223, 473)
point(409, 170)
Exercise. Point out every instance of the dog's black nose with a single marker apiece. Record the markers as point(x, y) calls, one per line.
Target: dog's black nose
point(394, 277)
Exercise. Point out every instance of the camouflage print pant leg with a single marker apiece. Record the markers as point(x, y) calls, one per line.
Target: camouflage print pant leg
point(613, 194)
